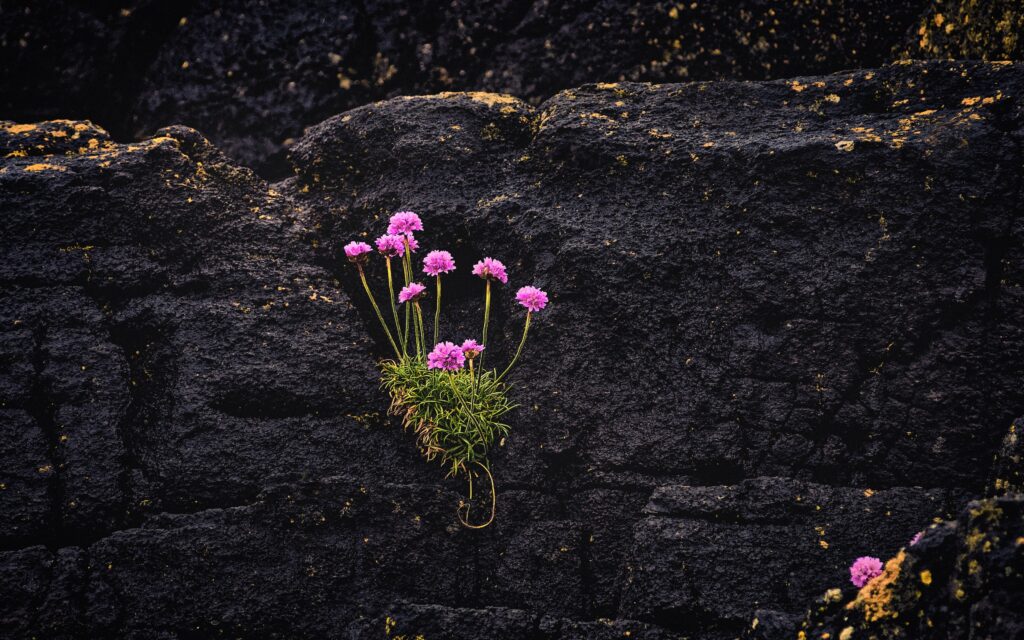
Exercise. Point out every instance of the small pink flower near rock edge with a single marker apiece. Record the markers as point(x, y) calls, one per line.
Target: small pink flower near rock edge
point(391, 245)
point(356, 251)
point(438, 262)
point(404, 222)
point(411, 292)
point(447, 356)
point(492, 269)
point(532, 298)
point(917, 538)
point(471, 348)
point(864, 570)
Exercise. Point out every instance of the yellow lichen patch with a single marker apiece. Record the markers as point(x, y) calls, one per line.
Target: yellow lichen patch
point(20, 128)
point(875, 598)
point(796, 86)
point(926, 577)
point(867, 134)
point(607, 85)
point(846, 633)
point(491, 201)
point(20, 153)
point(58, 133)
point(655, 133)
point(489, 99)
point(845, 145)
point(42, 166)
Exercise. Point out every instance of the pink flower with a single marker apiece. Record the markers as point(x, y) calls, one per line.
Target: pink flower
point(413, 245)
point(490, 269)
point(864, 570)
point(446, 355)
point(917, 538)
point(391, 245)
point(405, 222)
point(471, 348)
point(411, 292)
point(356, 251)
point(438, 262)
point(532, 298)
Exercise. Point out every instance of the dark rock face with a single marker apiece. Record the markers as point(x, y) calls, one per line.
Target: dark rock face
point(784, 332)
point(252, 75)
point(962, 580)
point(969, 29)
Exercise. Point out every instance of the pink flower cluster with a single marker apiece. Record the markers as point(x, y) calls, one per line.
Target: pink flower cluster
point(356, 251)
point(391, 245)
point(532, 298)
point(864, 570)
point(399, 242)
point(404, 223)
point(447, 356)
point(411, 292)
point(452, 357)
point(491, 269)
point(438, 262)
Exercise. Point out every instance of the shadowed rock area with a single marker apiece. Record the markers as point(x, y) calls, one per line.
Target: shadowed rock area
point(970, 29)
point(961, 579)
point(784, 332)
point(252, 74)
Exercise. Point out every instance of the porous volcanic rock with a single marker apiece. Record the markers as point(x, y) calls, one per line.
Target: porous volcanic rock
point(969, 29)
point(784, 331)
point(961, 578)
point(252, 74)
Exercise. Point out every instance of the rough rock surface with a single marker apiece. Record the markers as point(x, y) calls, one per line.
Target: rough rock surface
point(963, 579)
point(969, 29)
point(784, 332)
point(251, 74)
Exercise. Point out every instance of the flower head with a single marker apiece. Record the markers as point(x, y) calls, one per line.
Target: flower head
point(490, 269)
point(438, 262)
point(532, 298)
point(413, 245)
point(357, 252)
point(405, 222)
point(391, 245)
point(446, 355)
point(917, 538)
point(411, 292)
point(471, 348)
point(864, 570)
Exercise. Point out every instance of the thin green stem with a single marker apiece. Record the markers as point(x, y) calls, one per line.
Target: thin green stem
point(420, 337)
point(394, 310)
point(437, 309)
point(373, 301)
point(526, 328)
point(407, 272)
point(487, 318)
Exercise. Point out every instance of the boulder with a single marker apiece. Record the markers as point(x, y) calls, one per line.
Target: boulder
point(759, 291)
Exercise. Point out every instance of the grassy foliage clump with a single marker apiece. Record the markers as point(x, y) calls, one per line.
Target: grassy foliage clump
point(456, 415)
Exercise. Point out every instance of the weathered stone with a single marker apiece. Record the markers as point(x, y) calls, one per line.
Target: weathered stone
point(693, 564)
point(969, 29)
point(962, 580)
point(252, 75)
point(804, 287)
